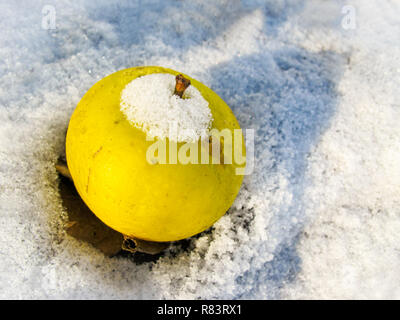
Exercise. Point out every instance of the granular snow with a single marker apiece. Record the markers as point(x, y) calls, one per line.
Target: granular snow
point(149, 103)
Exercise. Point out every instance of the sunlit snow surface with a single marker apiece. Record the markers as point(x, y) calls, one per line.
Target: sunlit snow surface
point(319, 216)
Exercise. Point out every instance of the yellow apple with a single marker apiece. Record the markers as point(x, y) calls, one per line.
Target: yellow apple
point(108, 160)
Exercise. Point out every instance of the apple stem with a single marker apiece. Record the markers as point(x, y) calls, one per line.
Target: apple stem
point(181, 85)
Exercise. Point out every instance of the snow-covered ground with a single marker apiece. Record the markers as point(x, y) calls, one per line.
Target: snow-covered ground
point(318, 81)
